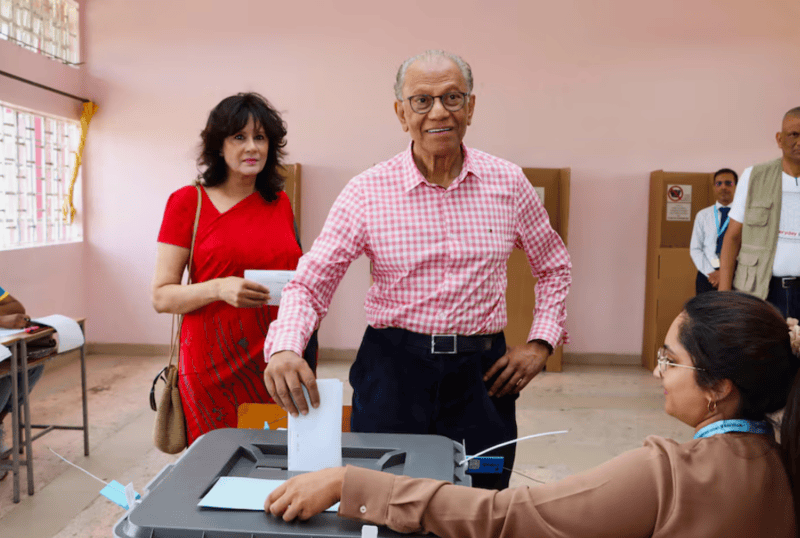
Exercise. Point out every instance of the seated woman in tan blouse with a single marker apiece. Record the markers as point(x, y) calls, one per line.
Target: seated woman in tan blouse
point(726, 363)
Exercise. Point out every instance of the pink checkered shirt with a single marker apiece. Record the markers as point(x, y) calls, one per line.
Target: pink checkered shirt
point(439, 256)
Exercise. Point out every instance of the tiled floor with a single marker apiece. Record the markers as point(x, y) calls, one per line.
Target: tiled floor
point(607, 410)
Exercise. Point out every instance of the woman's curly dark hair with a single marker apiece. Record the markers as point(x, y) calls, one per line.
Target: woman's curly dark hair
point(228, 118)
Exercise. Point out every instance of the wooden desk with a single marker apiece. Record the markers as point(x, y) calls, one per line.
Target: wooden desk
point(21, 418)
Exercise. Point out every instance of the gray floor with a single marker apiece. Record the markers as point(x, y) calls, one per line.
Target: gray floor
point(607, 410)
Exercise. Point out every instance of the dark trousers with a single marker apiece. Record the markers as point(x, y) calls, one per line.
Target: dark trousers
point(403, 389)
point(702, 285)
point(787, 300)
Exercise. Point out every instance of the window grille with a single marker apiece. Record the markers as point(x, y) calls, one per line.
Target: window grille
point(49, 27)
point(38, 153)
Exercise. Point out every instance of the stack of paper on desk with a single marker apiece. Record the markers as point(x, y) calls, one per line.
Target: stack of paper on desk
point(68, 332)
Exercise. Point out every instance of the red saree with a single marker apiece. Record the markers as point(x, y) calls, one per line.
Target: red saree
point(221, 347)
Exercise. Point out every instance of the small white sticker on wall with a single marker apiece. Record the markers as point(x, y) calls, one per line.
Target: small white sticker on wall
point(540, 193)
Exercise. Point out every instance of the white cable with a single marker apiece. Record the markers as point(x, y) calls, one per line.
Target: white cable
point(481, 453)
point(80, 468)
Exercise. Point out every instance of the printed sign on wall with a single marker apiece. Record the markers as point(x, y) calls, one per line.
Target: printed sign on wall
point(679, 203)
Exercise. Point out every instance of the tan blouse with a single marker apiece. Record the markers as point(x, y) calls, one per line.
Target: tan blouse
point(731, 485)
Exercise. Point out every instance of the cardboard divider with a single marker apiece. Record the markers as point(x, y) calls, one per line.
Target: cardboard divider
point(520, 294)
point(675, 199)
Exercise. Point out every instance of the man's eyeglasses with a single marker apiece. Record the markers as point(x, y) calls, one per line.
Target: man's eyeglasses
point(665, 362)
point(727, 183)
point(452, 101)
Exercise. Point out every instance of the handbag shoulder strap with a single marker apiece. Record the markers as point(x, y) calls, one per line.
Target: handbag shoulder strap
point(176, 336)
point(194, 230)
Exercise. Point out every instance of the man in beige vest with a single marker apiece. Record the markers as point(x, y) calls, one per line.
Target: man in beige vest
point(761, 250)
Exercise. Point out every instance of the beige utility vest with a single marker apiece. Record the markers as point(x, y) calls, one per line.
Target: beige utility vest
point(762, 215)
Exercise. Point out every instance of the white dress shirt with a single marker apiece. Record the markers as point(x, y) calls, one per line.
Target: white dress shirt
point(703, 247)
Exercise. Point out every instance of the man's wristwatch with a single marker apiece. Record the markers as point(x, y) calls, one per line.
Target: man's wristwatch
point(545, 343)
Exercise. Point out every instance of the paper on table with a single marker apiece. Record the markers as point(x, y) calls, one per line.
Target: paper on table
point(243, 493)
point(70, 335)
point(4, 353)
point(315, 439)
point(274, 281)
point(5, 333)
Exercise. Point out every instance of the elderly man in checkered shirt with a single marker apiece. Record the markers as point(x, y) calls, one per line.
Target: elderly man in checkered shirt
point(438, 221)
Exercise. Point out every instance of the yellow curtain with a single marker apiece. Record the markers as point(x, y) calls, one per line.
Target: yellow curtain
point(69, 209)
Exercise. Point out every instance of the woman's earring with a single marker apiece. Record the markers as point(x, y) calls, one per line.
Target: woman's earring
point(712, 406)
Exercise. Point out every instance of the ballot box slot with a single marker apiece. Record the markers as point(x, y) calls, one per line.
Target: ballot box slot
point(272, 450)
point(365, 453)
point(391, 459)
point(240, 463)
point(381, 459)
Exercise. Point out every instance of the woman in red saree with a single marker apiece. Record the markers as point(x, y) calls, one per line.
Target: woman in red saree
point(246, 222)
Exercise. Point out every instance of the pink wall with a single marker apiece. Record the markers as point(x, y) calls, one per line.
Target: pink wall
point(613, 89)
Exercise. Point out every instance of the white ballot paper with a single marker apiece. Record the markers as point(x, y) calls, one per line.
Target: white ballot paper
point(243, 493)
point(274, 281)
point(68, 332)
point(6, 333)
point(315, 440)
point(4, 353)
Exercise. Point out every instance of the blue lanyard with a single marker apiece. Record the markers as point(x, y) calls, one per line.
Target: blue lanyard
point(720, 231)
point(738, 425)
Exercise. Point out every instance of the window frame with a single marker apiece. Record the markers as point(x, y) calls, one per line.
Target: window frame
point(47, 27)
point(35, 174)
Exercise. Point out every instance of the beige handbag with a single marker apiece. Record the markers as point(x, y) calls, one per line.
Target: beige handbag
point(169, 430)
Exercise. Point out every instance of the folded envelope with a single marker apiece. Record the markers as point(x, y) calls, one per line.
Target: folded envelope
point(274, 281)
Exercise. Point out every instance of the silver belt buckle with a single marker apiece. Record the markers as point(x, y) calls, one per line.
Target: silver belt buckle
point(433, 344)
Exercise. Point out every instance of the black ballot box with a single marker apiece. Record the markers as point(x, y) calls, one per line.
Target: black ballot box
point(169, 504)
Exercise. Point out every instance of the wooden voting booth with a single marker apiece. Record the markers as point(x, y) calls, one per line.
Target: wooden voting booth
point(675, 199)
point(291, 174)
point(552, 185)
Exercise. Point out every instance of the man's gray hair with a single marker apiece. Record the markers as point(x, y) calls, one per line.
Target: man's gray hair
point(794, 113)
point(463, 66)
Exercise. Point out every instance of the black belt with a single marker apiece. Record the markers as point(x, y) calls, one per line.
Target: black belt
point(787, 282)
point(449, 344)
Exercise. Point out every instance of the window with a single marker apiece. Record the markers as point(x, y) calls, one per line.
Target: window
point(49, 27)
point(38, 153)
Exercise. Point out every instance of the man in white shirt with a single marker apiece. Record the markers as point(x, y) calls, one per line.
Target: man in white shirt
point(761, 250)
point(710, 225)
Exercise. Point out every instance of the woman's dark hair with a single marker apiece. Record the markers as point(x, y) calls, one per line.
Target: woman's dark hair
point(735, 336)
point(228, 118)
